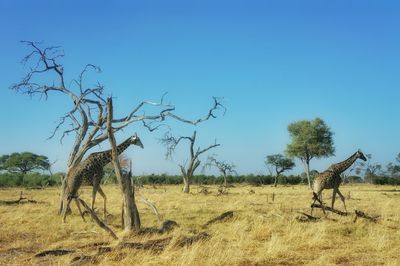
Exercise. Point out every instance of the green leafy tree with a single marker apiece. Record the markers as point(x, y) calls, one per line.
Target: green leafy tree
point(310, 139)
point(24, 162)
point(280, 163)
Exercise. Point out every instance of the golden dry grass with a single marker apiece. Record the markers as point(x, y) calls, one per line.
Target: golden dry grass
point(262, 232)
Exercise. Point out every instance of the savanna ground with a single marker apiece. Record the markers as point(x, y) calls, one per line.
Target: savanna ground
point(261, 232)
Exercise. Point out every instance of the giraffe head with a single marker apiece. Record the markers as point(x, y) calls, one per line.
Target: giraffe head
point(361, 156)
point(135, 140)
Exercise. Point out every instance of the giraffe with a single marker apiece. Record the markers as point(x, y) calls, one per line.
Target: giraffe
point(91, 171)
point(330, 179)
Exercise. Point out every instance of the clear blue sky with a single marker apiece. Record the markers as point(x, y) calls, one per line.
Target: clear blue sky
point(274, 62)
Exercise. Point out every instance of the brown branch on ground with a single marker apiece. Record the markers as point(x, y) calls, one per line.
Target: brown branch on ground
point(187, 241)
point(156, 245)
point(21, 200)
point(220, 218)
point(95, 244)
point(166, 226)
point(81, 260)
point(304, 217)
point(54, 252)
point(97, 220)
point(361, 214)
point(330, 209)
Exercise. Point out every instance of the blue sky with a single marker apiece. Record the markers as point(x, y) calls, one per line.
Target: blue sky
point(274, 62)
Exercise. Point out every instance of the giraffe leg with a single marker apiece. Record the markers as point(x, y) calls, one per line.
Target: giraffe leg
point(322, 204)
point(315, 197)
point(105, 200)
point(342, 198)
point(94, 192)
point(333, 197)
point(64, 211)
point(79, 208)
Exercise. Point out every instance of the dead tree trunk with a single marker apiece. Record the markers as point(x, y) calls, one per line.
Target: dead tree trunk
point(62, 193)
point(187, 172)
point(131, 219)
point(186, 184)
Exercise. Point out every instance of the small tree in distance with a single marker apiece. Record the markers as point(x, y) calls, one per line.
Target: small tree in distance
point(172, 142)
point(224, 168)
point(280, 163)
point(310, 139)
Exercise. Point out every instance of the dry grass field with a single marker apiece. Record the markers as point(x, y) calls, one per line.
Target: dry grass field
point(261, 232)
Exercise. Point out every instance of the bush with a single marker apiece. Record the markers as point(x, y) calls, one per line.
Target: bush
point(384, 180)
point(294, 180)
point(259, 180)
point(29, 180)
point(11, 180)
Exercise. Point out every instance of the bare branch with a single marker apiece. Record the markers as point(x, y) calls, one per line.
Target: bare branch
point(217, 105)
point(223, 166)
point(172, 142)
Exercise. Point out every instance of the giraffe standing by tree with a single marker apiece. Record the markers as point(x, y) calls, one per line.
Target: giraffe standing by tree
point(330, 179)
point(91, 171)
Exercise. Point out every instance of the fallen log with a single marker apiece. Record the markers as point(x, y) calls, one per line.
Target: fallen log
point(221, 218)
point(306, 218)
point(329, 209)
point(21, 200)
point(361, 214)
point(165, 227)
point(156, 245)
point(54, 252)
point(187, 241)
point(81, 260)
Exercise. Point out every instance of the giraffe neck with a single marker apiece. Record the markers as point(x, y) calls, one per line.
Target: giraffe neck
point(105, 156)
point(342, 166)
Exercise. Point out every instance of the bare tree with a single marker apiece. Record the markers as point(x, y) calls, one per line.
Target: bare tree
point(87, 117)
point(130, 214)
point(172, 142)
point(224, 168)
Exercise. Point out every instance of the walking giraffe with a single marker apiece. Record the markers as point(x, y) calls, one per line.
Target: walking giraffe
point(330, 179)
point(91, 171)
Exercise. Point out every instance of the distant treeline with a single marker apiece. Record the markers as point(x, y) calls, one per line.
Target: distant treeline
point(42, 180)
point(29, 180)
point(213, 180)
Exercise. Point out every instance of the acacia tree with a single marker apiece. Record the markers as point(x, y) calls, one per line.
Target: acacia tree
point(224, 168)
point(86, 118)
point(24, 162)
point(172, 142)
point(280, 163)
point(310, 139)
